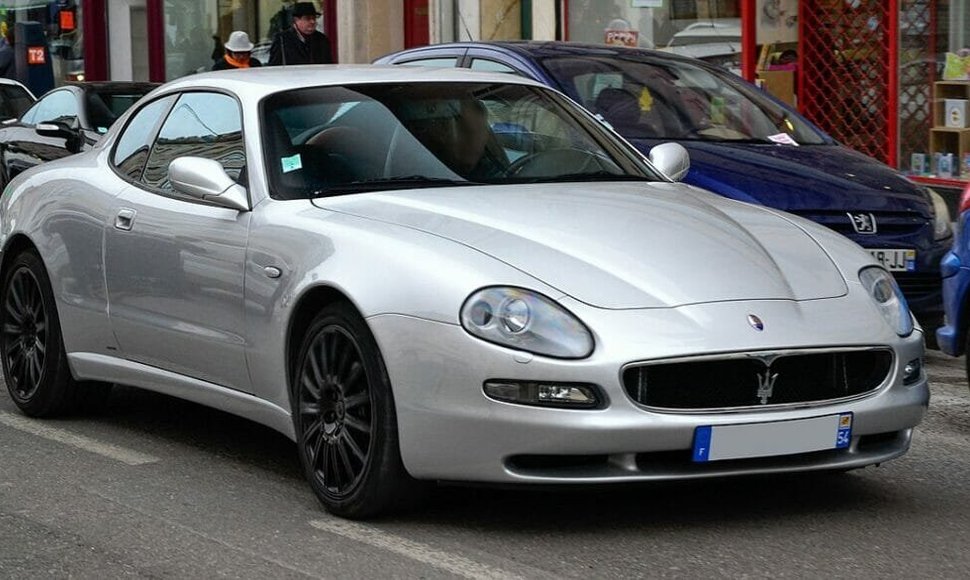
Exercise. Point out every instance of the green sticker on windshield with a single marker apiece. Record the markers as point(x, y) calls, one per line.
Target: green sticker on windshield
point(291, 163)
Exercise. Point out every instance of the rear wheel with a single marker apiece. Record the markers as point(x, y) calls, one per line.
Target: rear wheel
point(35, 367)
point(345, 420)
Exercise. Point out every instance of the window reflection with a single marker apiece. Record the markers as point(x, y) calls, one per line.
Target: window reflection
point(202, 125)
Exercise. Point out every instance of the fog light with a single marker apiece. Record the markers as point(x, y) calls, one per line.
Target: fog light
point(912, 371)
point(565, 395)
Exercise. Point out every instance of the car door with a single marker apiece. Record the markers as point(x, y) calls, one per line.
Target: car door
point(24, 147)
point(173, 264)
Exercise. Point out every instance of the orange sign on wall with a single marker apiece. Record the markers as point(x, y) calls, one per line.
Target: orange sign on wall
point(36, 55)
point(67, 20)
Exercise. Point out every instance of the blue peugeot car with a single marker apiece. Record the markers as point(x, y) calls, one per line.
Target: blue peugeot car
point(743, 144)
point(954, 336)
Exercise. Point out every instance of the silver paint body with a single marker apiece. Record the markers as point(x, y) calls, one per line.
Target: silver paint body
point(195, 299)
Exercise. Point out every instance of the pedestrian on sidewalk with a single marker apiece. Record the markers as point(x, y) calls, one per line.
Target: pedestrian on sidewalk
point(238, 53)
point(302, 43)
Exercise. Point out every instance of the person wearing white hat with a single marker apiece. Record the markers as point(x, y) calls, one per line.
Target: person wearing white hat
point(238, 51)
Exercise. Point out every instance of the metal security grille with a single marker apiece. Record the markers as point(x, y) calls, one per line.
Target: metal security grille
point(919, 68)
point(844, 72)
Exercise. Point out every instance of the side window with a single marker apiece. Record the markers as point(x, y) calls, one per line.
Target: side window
point(57, 106)
point(443, 62)
point(201, 125)
point(133, 145)
point(483, 64)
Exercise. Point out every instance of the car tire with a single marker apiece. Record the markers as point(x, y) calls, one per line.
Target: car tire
point(345, 421)
point(34, 360)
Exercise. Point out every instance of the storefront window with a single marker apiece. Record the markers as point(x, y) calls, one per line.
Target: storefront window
point(196, 30)
point(934, 89)
point(709, 30)
point(59, 26)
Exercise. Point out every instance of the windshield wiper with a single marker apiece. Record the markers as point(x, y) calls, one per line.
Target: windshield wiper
point(386, 183)
point(589, 176)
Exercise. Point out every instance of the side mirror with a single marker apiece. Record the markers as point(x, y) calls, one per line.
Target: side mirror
point(71, 133)
point(671, 159)
point(207, 180)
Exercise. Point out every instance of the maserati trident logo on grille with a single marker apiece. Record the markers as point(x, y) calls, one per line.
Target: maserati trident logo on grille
point(864, 223)
point(766, 385)
point(755, 322)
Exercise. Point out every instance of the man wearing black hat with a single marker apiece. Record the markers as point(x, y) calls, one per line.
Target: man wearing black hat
point(302, 43)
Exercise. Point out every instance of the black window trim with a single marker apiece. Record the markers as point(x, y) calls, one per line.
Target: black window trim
point(154, 137)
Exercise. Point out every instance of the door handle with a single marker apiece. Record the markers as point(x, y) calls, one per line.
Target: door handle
point(124, 219)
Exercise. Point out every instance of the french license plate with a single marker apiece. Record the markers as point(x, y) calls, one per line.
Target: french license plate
point(717, 442)
point(896, 260)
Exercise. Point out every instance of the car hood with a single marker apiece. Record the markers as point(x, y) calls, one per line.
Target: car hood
point(800, 179)
point(620, 245)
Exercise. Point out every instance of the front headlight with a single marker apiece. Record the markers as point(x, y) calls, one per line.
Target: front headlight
point(888, 297)
point(525, 320)
point(941, 217)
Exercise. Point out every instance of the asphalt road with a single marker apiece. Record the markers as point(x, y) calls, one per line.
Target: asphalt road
point(157, 488)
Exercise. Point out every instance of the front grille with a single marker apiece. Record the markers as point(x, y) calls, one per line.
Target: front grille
point(888, 224)
point(758, 379)
point(915, 285)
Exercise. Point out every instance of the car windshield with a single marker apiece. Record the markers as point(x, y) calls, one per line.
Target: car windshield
point(347, 139)
point(14, 100)
point(646, 97)
point(105, 106)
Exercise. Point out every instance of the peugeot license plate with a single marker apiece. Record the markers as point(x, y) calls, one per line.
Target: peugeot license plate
point(896, 260)
point(716, 442)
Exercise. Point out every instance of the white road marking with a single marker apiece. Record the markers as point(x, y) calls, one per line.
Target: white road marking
point(453, 563)
point(111, 451)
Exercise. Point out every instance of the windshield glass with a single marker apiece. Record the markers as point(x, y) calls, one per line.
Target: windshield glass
point(14, 101)
point(336, 140)
point(103, 107)
point(647, 97)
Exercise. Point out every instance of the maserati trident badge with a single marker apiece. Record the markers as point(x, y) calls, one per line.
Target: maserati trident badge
point(766, 384)
point(755, 322)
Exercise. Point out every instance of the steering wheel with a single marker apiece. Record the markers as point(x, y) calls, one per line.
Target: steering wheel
point(554, 162)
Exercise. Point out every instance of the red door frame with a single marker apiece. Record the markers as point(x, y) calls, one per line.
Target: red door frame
point(154, 10)
point(94, 27)
point(416, 23)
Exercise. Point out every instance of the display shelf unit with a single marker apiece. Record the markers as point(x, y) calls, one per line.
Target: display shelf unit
point(945, 139)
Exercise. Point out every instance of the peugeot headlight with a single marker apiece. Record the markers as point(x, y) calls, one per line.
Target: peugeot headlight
point(941, 217)
point(525, 320)
point(888, 297)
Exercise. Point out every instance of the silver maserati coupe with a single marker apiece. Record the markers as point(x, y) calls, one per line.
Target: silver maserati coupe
point(426, 275)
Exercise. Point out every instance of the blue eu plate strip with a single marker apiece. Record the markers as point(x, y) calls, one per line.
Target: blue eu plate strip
point(702, 443)
point(843, 436)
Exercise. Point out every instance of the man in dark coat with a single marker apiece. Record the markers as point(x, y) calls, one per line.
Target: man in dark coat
point(302, 43)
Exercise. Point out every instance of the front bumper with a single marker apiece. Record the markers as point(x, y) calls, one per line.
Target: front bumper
point(449, 430)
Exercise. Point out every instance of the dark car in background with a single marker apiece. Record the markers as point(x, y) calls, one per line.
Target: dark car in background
point(15, 98)
point(743, 144)
point(66, 120)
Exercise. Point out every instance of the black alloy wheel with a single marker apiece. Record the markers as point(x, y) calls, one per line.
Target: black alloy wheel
point(335, 410)
point(26, 334)
point(32, 351)
point(344, 418)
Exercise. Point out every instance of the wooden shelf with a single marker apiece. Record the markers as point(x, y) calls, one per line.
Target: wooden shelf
point(945, 139)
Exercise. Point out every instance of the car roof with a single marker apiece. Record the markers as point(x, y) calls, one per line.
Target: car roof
point(258, 82)
point(537, 49)
point(113, 86)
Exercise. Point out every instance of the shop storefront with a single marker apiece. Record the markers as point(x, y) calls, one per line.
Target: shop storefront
point(50, 47)
point(887, 77)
